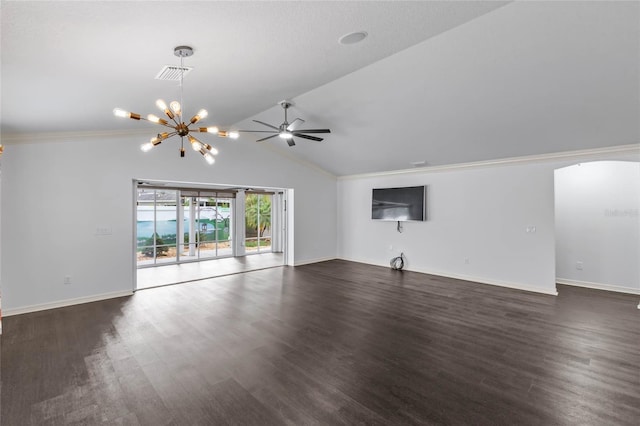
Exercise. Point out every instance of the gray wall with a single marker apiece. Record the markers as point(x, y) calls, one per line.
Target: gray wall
point(55, 193)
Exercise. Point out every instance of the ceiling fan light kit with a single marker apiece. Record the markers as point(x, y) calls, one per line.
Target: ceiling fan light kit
point(181, 127)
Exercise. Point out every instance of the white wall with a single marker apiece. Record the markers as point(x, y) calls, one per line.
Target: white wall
point(480, 214)
point(0, 245)
point(56, 193)
point(597, 224)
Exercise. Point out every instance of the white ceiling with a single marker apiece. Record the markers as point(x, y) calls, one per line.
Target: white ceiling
point(444, 82)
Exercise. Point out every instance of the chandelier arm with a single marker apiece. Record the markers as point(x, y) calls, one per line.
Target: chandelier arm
point(197, 129)
point(159, 124)
point(168, 135)
point(174, 120)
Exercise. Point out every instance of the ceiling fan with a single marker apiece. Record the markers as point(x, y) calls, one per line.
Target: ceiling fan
point(286, 130)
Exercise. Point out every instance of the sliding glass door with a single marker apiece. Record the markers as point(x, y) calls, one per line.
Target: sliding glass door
point(175, 226)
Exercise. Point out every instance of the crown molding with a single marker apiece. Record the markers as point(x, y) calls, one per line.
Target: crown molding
point(528, 159)
point(25, 138)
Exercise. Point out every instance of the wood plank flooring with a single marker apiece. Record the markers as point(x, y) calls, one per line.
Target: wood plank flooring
point(332, 343)
point(176, 274)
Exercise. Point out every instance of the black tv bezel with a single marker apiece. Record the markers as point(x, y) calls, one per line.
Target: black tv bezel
point(424, 203)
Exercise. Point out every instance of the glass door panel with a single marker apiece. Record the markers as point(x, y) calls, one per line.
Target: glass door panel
point(223, 226)
point(189, 232)
point(264, 228)
point(207, 246)
point(156, 226)
point(258, 223)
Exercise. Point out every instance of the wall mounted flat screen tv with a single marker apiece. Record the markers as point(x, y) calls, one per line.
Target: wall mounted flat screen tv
point(399, 204)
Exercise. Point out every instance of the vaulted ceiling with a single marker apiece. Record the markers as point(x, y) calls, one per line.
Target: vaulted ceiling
point(440, 82)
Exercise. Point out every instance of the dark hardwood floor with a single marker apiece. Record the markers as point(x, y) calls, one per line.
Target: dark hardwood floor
point(333, 343)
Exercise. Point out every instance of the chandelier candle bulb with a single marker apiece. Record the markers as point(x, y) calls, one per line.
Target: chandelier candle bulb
point(162, 105)
point(175, 107)
point(199, 116)
point(155, 119)
point(119, 112)
point(234, 135)
point(146, 147)
point(211, 129)
point(195, 143)
point(209, 158)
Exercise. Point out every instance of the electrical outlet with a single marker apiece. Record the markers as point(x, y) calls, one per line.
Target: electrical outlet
point(579, 265)
point(467, 261)
point(67, 280)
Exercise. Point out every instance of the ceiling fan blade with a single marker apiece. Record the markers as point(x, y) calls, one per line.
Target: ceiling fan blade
point(290, 142)
point(312, 138)
point(294, 124)
point(268, 137)
point(314, 131)
point(265, 124)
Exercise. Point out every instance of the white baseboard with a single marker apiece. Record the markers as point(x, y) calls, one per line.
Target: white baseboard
point(63, 303)
point(479, 280)
point(498, 283)
point(307, 262)
point(599, 286)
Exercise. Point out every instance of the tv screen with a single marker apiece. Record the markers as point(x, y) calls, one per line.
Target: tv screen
point(399, 204)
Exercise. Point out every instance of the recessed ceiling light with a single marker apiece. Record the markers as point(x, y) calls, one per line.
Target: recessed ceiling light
point(353, 38)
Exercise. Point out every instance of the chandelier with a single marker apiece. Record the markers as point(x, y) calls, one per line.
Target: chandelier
point(177, 124)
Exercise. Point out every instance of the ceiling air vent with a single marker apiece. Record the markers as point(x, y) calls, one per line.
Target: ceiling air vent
point(172, 72)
